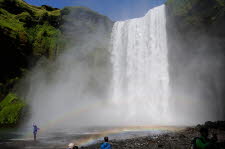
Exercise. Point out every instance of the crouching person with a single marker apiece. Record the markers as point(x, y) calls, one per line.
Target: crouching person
point(72, 146)
point(106, 144)
point(203, 142)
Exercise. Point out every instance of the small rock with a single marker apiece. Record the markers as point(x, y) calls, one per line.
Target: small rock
point(181, 136)
point(160, 145)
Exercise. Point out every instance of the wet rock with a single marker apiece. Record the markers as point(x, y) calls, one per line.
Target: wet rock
point(210, 124)
point(198, 126)
point(160, 145)
point(182, 136)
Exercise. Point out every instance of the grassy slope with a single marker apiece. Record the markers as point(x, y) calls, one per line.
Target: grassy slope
point(27, 33)
point(10, 109)
point(32, 21)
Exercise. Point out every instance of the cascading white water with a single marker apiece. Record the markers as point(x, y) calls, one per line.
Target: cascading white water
point(140, 82)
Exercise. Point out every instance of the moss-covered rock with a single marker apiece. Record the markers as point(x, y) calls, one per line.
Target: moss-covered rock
point(46, 37)
point(10, 110)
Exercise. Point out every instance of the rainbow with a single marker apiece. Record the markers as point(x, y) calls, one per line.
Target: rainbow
point(93, 137)
point(66, 116)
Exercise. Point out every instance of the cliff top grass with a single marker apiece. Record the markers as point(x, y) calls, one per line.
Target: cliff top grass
point(16, 15)
point(19, 6)
point(9, 24)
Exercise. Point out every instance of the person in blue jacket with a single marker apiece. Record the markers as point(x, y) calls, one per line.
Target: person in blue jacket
point(106, 144)
point(35, 130)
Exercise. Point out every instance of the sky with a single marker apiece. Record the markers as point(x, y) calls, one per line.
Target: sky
point(114, 9)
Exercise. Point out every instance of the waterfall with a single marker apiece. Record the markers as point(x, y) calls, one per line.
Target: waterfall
point(139, 57)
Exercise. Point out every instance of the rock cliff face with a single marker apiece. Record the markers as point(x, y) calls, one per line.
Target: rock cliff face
point(196, 34)
point(28, 33)
point(196, 13)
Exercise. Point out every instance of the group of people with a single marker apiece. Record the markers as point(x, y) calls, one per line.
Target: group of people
point(105, 145)
point(202, 142)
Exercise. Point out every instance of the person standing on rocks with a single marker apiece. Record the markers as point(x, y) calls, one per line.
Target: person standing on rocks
point(203, 142)
point(106, 144)
point(35, 130)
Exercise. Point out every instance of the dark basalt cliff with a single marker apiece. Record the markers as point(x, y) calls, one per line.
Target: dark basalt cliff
point(196, 38)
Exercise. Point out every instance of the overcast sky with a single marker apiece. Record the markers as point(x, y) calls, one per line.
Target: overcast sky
point(114, 9)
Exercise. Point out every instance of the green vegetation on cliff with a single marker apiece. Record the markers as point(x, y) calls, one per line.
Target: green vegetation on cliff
point(27, 33)
point(10, 110)
point(197, 12)
point(196, 35)
point(45, 40)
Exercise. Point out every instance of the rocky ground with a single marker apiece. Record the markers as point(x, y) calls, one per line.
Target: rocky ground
point(174, 140)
